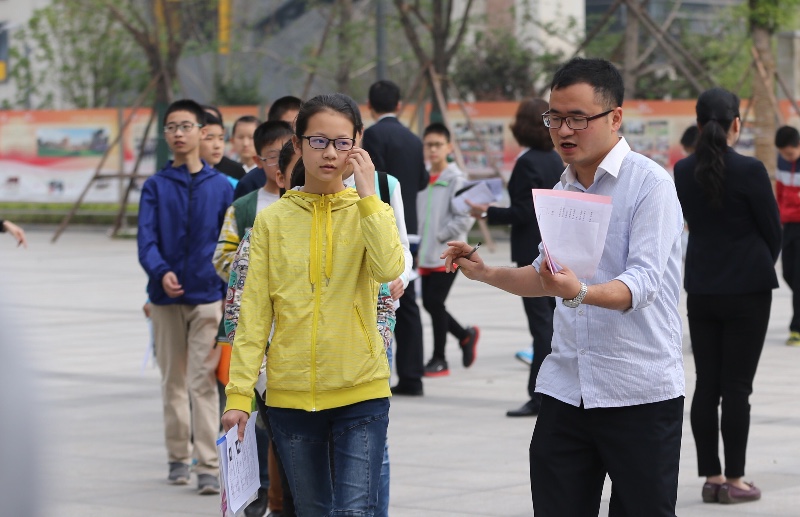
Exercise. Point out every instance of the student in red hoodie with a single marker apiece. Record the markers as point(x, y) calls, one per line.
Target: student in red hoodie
point(787, 140)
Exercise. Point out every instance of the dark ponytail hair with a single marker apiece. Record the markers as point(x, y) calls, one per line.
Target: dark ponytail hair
point(331, 102)
point(716, 109)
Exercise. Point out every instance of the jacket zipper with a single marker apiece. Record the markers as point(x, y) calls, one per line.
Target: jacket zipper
point(423, 240)
point(314, 324)
point(188, 227)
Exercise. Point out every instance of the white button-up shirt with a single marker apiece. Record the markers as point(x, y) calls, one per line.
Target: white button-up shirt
point(610, 358)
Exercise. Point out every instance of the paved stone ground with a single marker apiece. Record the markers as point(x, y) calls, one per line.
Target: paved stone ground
point(77, 307)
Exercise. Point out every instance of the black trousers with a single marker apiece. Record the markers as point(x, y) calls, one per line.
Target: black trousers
point(540, 322)
point(573, 449)
point(435, 288)
point(409, 355)
point(790, 263)
point(727, 334)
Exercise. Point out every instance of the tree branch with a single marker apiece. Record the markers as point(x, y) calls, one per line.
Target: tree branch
point(411, 33)
point(462, 31)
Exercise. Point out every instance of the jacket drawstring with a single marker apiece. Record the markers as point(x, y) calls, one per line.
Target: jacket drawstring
point(329, 244)
point(313, 268)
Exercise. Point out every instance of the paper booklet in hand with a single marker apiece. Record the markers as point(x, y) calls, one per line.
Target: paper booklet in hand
point(573, 226)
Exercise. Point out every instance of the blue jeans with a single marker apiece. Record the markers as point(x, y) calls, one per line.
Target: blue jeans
point(333, 457)
point(383, 491)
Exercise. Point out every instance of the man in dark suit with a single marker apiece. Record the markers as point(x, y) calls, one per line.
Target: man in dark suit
point(397, 151)
point(538, 166)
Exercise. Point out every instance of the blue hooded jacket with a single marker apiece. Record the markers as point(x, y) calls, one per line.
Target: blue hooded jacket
point(180, 217)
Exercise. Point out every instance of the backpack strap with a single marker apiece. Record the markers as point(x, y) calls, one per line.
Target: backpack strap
point(383, 187)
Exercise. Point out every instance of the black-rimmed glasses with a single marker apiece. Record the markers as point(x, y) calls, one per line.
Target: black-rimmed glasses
point(574, 122)
point(320, 142)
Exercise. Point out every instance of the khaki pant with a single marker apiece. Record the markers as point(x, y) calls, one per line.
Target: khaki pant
point(184, 341)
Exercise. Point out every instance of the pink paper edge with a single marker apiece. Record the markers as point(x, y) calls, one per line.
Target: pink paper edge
point(581, 196)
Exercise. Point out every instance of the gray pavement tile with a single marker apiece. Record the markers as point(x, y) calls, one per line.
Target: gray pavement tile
point(454, 453)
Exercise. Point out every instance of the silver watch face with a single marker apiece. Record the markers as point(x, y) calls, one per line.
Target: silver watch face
point(571, 303)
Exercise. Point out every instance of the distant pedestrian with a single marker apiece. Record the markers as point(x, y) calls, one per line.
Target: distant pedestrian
point(180, 216)
point(734, 241)
point(787, 186)
point(242, 141)
point(284, 108)
point(439, 223)
point(225, 165)
point(15, 231)
point(394, 149)
point(537, 166)
point(689, 139)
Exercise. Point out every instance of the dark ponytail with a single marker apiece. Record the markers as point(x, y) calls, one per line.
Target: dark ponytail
point(716, 109)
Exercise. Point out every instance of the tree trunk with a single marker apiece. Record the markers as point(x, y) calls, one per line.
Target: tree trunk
point(764, 111)
point(631, 53)
point(344, 43)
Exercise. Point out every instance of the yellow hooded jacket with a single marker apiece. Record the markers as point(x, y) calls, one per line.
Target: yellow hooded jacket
point(316, 264)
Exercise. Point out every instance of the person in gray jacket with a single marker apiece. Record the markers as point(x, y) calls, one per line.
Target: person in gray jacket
point(439, 223)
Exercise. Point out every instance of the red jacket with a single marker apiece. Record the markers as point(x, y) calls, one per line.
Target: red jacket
point(787, 188)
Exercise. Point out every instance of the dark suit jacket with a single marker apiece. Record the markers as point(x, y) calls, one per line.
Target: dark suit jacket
point(534, 169)
point(230, 168)
point(396, 150)
point(733, 249)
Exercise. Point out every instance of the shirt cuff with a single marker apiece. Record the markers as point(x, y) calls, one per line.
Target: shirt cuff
point(369, 205)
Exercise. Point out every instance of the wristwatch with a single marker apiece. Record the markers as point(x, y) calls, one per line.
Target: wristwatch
point(484, 215)
point(573, 303)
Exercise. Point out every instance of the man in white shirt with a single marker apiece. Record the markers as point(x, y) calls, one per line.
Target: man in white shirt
point(613, 387)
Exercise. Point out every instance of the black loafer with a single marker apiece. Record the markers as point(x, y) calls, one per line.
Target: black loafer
point(258, 507)
point(530, 408)
point(409, 391)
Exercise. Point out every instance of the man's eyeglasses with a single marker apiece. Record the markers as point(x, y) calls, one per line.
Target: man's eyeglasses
point(270, 159)
point(574, 122)
point(320, 142)
point(185, 128)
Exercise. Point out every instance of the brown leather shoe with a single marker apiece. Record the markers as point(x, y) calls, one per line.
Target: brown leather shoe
point(711, 492)
point(729, 494)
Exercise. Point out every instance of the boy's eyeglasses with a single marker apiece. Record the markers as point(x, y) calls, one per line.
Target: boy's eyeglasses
point(575, 123)
point(185, 128)
point(270, 160)
point(320, 142)
point(434, 145)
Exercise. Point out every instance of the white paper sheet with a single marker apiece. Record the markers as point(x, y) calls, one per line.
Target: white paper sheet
point(479, 194)
point(574, 226)
point(238, 467)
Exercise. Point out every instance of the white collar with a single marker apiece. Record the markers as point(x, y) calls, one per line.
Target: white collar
point(611, 164)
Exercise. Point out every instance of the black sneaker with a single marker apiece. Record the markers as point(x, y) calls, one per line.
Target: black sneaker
point(178, 473)
point(258, 507)
point(436, 368)
point(469, 346)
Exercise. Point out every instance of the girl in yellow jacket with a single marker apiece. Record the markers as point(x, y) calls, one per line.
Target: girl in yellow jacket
point(317, 258)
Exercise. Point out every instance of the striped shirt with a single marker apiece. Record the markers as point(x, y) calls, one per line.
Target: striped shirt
point(610, 358)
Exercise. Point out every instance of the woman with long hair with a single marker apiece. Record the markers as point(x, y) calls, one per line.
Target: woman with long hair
point(734, 242)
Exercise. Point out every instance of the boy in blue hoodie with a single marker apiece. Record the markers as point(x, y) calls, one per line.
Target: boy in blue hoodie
point(180, 215)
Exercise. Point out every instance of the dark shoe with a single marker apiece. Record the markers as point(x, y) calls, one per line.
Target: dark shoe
point(178, 473)
point(729, 494)
point(710, 492)
point(275, 514)
point(402, 389)
point(436, 368)
point(207, 484)
point(258, 507)
point(469, 346)
point(530, 408)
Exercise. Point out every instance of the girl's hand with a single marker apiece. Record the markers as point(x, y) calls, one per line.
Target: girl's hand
point(363, 171)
